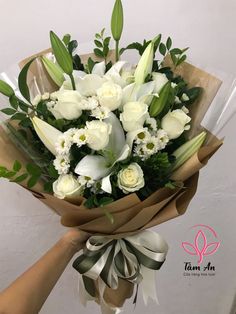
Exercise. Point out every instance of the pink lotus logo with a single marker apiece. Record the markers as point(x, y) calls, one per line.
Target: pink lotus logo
point(200, 246)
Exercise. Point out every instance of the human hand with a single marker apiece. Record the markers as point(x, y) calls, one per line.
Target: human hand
point(76, 238)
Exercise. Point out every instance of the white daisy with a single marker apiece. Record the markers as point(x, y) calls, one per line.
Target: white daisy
point(86, 181)
point(151, 146)
point(143, 136)
point(80, 137)
point(163, 138)
point(100, 113)
point(63, 145)
point(62, 164)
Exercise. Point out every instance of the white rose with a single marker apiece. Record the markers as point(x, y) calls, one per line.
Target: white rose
point(110, 95)
point(131, 178)
point(134, 115)
point(68, 105)
point(67, 186)
point(160, 80)
point(175, 122)
point(98, 134)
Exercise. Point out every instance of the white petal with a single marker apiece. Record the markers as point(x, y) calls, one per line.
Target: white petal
point(94, 167)
point(145, 89)
point(130, 93)
point(106, 184)
point(124, 154)
point(117, 67)
point(88, 85)
point(47, 133)
point(99, 68)
point(117, 136)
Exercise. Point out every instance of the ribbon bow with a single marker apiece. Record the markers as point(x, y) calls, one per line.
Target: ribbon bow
point(133, 258)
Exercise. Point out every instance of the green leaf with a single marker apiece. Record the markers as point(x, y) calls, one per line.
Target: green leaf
point(176, 51)
point(156, 42)
point(52, 172)
point(25, 123)
point(66, 39)
point(23, 106)
point(8, 111)
point(14, 101)
point(168, 43)
point(98, 53)
point(21, 178)
point(32, 181)
point(72, 46)
point(91, 64)
point(107, 41)
point(17, 166)
point(48, 187)
point(181, 60)
point(22, 80)
point(62, 55)
point(34, 170)
point(98, 43)
point(117, 20)
point(19, 116)
point(9, 174)
point(6, 89)
point(54, 71)
point(162, 49)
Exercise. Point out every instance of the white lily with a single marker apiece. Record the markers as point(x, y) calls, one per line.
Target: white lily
point(47, 133)
point(100, 167)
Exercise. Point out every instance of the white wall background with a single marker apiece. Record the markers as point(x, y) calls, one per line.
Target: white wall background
point(28, 229)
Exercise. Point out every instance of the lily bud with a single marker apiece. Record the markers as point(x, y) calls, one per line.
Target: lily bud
point(188, 149)
point(54, 71)
point(144, 66)
point(47, 133)
point(159, 103)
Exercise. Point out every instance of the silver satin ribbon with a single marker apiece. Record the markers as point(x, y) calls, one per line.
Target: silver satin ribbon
point(134, 258)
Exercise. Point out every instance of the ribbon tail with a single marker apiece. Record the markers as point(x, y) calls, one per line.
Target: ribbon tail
point(148, 285)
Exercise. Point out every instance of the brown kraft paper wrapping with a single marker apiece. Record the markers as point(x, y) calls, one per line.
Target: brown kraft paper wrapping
point(130, 213)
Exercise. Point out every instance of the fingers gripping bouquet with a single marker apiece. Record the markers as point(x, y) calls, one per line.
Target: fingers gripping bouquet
point(113, 148)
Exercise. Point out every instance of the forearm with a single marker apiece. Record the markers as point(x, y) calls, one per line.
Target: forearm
point(29, 292)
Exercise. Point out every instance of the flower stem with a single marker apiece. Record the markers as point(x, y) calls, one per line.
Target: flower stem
point(72, 81)
point(117, 51)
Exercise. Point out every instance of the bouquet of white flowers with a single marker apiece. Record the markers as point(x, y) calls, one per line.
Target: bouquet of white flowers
point(113, 148)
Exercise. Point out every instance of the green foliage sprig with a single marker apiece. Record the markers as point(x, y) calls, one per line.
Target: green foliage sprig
point(31, 173)
point(102, 43)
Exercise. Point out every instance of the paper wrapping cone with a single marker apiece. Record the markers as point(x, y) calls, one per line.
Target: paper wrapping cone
point(130, 213)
